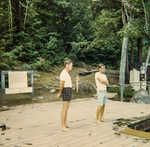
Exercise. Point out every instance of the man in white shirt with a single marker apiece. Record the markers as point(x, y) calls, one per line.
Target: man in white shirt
point(101, 84)
point(65, 91)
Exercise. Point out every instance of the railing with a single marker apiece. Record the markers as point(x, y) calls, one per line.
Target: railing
point(25, 88)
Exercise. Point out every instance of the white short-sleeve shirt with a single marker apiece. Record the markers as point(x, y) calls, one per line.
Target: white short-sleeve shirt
point(64, 76)
point(99, 85)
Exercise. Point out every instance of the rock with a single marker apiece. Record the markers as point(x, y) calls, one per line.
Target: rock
point(3, 127)
point(53, 90)
point(38, 88)
point(57, 78)
point(86, 87)
point(28, 143)
point(40, 97)
point(8, 139)
point(145, 141)
point(4, 108)
point(2, 133)
point(36, 75)
point(90, 133)
point(115, 128)
point(117, 133)
point(47, 87)
point(142, 112)
point(8, 128)
point(141, 96)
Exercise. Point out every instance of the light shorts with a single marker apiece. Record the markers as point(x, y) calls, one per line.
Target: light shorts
point(101, 97)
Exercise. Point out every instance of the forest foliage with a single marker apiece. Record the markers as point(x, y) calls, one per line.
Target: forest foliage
point(39, 34)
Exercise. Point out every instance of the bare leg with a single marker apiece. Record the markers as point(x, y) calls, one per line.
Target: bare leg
point(102, 113)
point(64, 113)
point(67, 108)
point(97, 113)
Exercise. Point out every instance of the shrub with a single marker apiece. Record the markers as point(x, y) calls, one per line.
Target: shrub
point(128, 92)
point(113, 89)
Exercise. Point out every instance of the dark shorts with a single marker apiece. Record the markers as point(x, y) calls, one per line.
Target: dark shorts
point(67, 94)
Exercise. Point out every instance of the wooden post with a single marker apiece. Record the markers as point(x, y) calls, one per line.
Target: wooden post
point(3, 86)
point(31, 80)
point(77, 83)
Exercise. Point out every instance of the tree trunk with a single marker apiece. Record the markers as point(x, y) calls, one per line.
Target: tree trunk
point(132, 53)
point(16, 18)
point(123, 56)
point(123, 65)
point(10, 17)
point(139, 46)
point(148, 57)
point(26, 13)
point(127, 75)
